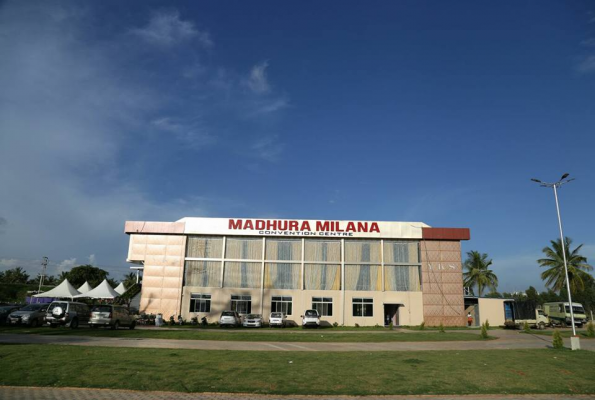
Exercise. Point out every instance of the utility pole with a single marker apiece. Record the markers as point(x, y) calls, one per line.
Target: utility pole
point(44, 264)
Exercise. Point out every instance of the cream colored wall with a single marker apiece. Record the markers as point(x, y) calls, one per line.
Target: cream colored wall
point(411, 313)
point(491, 310)
point(163, 259)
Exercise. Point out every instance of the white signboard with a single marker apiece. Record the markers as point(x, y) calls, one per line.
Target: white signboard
point(303, 228)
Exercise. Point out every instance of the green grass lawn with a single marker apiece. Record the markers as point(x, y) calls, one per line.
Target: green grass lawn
point(348, 373)
point(254, 335)
point(567, 333)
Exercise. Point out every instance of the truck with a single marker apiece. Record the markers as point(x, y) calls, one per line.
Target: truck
point(517, 313)
point(559, 313)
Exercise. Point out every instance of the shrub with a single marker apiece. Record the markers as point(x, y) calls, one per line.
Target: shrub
point(484, 331)
point(526, 327)
point(441, 328)
point(557, 342)
point(357, 325)
point(335, 324)
point(487, 323)
point(390, 326)
point(590, 329)
point(422, 326)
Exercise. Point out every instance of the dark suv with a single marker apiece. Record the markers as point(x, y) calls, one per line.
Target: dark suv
point(68, 313)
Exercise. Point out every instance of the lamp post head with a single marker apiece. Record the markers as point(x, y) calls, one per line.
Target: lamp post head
point(535, 180)
point(564, 176)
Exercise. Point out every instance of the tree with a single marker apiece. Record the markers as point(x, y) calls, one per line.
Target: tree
point(129, 280)
point(63, 275)
point(85, 273)
point(587, 296)
point(15, 275)
point(477, 272)
point(555, 276)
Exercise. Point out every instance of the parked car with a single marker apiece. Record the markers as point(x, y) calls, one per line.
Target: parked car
point(67, 313)
point(32, 315)
point(5, 312)
point(112, 316)
point(277, 319)
point(230, 318)
point(311, 318)
point(252, 321)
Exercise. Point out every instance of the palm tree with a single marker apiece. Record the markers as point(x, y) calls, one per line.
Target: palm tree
point(555, 276)
point(477, 272)
point(129, 280)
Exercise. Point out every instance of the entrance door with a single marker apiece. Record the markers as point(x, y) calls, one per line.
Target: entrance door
point(391, 314)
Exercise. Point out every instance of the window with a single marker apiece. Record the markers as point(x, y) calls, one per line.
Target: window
point(282, 276)
point(402, 278)
point(284, 249)
point(203, 273)
point(324, 306)
point(243, 249)
point(204, 247)
point(241, 304)
point(322, 277)
point(200, 302)
point(242, 274)
point(363, 307)
point(281, 304)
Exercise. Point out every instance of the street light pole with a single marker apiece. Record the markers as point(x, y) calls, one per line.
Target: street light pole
point(574, 340)
point(563, 242)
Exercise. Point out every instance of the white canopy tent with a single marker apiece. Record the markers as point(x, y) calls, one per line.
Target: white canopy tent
point(85, 287)
point(64, 289)
point(102, 291)
point(120, 288)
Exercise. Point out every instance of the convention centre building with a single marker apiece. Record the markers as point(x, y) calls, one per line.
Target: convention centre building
point(353, 272)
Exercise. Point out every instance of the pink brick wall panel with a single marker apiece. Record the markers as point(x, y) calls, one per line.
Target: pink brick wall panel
point(450, 246)
point(450, 256)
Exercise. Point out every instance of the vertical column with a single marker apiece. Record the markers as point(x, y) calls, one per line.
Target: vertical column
point(223, 259)
point(343, 280)
point(264, 243)
point(303, 257)
point(382, 261)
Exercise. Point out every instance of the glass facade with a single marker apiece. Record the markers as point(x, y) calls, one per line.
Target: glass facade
point(309, 264)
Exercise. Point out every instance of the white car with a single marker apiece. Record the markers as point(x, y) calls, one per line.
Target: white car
point(311, 318)
point(277, 319)
point(252, 321)
point(230, 318)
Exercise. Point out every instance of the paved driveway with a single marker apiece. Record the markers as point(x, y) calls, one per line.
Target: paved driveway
point(505, 340)
point(23, 393)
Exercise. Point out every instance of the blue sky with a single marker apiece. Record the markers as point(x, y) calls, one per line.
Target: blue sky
point(406, 111)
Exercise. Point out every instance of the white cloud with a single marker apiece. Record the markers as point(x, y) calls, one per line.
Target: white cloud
point(257, 80)
point(9, 263)
point(72, 111)
point(270, 106)
point(167, 29)
point(268, 148)
point(65, 265)
point(92, 260)
point(587, 65)
point(191, 134)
